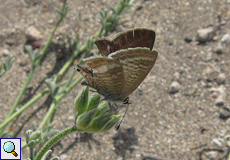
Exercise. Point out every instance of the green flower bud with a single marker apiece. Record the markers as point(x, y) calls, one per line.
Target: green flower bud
point(84, 120)
point(36, 136)
point(81, 101)
point(99, 123)
point(76, 116)
point(92, 116)
point(31, 144)
point(28, 133)
point(102, 108)
point(94, 100)
point(111, 123)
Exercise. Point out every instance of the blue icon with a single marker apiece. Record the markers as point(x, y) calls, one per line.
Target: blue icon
point(9, 147)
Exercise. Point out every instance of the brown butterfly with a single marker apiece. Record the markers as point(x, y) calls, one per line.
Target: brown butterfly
point(124, 63)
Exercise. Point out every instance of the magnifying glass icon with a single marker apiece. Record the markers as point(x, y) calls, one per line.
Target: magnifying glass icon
point(9, 147)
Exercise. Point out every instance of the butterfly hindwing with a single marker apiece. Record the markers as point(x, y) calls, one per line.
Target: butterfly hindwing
point(137, 63)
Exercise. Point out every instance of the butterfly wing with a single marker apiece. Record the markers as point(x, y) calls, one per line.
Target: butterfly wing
point(137, 63)
point(138, 37)
point(105, 75)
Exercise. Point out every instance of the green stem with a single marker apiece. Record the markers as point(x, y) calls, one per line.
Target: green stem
point(77, 81)
point(121, 5)
point(74, 71)
point(73, 56)
point(31, 153)
point(43, 51)
point(228, 156)
point(70, 78)
point(2, 73)
point(53, 106)
point(18, 98)
point(56, 104)
point(22, 91)
point(53, 140)
point(70, 61)
point(48, 114)
point(23, 146)
point(98, 33)
point(84, 55)
point(28, 104)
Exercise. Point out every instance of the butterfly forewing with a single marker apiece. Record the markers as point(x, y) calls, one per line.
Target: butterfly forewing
point(109, 79)
point(138, 37)
point(137, 63)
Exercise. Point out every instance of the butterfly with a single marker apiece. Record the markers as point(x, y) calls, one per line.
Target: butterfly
point(124, 63)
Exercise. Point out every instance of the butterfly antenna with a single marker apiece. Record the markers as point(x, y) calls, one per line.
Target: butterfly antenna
point(118, 126)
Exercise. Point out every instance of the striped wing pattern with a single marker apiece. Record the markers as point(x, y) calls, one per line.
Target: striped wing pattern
point(137, 63)
point(109, 79)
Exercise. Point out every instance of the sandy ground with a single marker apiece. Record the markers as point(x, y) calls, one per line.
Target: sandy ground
point(176, 126)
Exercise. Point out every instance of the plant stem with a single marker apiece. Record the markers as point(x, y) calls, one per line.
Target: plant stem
point(31, 153)
point(22, 91)
point(54, 107)
point(70, 61)
point(53, 140)
point(52, 33)
point(28, 104)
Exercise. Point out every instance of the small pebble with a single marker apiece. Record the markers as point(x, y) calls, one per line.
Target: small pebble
point(203, 84)
point(10, 42)
point(224, 114)
point(221, 78)
point(206, 34)
point(23, 62)
point(32, 34)
point(211, 155)
point(64, 157)
point(218, 142)
point(176, 76)
point(219, 49)
point(225, 39)
point(5, 52)
point(219, 101)
point(71, 118)
point(220, 90)
point(188, 39)
point(174, 87)
point(215, 94)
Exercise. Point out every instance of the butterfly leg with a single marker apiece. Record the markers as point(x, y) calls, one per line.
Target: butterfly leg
point(119, 124)
point(113, 107)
